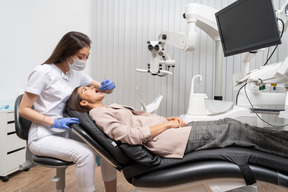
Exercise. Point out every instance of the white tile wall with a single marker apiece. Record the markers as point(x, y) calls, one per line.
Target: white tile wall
point(121, 30)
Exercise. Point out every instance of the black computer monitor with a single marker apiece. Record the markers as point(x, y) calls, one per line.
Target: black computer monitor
point(247, 25)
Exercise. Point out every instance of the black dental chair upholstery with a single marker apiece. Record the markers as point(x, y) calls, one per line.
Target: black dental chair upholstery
point(143, 169)
point(22, 127)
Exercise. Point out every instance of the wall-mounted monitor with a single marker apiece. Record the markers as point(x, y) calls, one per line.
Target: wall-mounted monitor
point(247, 25)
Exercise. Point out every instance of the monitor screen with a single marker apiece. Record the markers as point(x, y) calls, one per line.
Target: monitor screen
point(247, 25)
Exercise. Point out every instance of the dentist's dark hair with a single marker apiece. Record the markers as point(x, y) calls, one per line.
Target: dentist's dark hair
point(73, 102)
point(69, 45)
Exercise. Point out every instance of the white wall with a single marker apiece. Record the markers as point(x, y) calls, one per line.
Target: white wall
point(122, 29)
point(30, 30)
point(119, 29)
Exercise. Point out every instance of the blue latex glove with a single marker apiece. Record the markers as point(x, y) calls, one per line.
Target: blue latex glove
point(64, 122)
point(107, 85)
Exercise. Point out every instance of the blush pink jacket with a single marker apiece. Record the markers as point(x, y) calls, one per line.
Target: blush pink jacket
point(123, 123)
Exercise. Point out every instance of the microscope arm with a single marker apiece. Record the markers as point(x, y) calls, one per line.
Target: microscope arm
point(196, 15)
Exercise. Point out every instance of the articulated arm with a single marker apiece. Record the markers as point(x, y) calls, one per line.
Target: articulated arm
point(196, 15)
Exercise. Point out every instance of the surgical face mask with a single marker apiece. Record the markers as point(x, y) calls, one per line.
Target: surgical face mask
point(78, 65)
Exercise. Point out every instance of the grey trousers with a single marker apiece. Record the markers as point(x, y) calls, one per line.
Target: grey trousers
point(229, 132)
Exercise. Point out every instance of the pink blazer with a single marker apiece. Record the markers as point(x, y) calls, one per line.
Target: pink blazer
point(123, 123)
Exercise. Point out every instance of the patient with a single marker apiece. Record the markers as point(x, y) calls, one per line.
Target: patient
point(170, 137)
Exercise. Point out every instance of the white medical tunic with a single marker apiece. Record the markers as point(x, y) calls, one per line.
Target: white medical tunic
point(53, 88)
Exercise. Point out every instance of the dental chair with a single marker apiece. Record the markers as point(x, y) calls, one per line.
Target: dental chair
point(202, 171)
point(22, 127)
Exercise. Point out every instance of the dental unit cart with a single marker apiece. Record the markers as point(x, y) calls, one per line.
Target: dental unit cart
point(12, 149)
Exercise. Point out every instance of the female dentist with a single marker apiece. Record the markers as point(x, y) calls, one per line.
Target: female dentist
point(48, 88)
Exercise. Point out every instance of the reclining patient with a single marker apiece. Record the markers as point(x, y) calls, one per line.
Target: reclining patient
point(170, 137)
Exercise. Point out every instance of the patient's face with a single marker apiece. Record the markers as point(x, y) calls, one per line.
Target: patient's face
point(90, 94)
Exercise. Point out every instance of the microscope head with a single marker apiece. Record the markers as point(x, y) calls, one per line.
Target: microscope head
point(155, 47)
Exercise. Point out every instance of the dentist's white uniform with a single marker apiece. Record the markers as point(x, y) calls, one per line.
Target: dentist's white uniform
point(53, 88)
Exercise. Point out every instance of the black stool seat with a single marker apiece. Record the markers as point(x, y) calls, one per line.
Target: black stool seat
point(50, 162)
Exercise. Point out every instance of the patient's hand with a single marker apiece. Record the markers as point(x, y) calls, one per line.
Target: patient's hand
point(177, 121)
point(172, 122)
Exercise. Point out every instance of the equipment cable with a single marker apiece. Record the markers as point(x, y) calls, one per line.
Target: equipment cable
point(282, 22)
point(279, 126)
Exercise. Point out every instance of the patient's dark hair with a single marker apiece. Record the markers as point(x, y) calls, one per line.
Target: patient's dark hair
point(73, 102)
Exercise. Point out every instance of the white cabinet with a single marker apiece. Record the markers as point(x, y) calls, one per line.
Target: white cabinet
point(12, 148)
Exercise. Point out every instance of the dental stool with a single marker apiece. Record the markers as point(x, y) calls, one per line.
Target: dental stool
point(22, 127)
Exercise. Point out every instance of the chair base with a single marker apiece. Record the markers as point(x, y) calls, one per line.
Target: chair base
point(26, 165)
point(60, 178)
point(209, 185)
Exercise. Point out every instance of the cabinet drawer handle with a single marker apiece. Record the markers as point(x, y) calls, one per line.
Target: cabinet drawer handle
point(15, 150)
point(11, 133)
point(10, 122)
